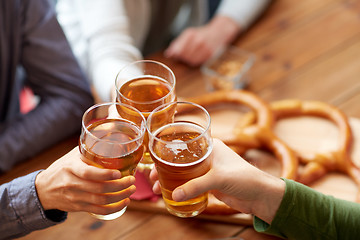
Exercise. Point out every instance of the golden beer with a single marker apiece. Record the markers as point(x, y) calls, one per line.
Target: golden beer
point(100, 153)
point(110, 140)
point(181, 153)
point(146, 94)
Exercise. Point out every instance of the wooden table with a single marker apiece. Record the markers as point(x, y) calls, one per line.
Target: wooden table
point(305, 49)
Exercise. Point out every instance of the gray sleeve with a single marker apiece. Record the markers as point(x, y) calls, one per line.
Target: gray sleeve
point(55, 76)
point(244, 12)
point(20, 209)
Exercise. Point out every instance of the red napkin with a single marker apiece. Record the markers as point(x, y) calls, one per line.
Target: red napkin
point(143, 189)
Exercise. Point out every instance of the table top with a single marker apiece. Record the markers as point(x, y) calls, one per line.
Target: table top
point(307, 50)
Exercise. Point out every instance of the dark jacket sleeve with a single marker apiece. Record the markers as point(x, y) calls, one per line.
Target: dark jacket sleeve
point(53, 74)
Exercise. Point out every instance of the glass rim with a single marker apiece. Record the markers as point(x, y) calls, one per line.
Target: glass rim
point(172, 89)
point(206, 129)
point(141, 128)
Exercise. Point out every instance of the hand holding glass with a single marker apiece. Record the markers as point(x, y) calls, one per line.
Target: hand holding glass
point(110, 140)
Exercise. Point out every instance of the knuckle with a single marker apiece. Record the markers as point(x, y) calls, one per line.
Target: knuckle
point(101, 199)
point(84, 173)
point(99, 188)
point(70, 197)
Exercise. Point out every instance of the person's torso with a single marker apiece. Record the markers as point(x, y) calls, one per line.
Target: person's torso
point(10, 52)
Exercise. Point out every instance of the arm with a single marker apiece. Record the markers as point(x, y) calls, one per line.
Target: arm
point(41, 199)
point(53, 74)
point(244, 13)
point(281, 207)
point(317, 215)
point(20, 208)
point(113, 30)
point(197, 44)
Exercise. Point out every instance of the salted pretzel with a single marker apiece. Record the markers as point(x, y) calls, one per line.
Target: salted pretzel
point(254, 135)
point(245, 137)
point(317, 165)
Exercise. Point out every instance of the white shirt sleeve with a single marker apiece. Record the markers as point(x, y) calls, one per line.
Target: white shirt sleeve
point(112, 35)
point(244, 12)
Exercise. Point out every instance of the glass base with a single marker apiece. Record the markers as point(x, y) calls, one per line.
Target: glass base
point(186, 214)
point(111, 216)
point(189, 208)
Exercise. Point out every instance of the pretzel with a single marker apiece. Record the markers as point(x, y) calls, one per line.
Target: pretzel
point(317, 165)
point(244, 137)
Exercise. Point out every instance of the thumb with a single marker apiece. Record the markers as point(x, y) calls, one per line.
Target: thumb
point(193, 188)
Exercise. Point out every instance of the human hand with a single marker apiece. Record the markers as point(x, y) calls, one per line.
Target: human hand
point(195, 45)
point(236, 182)
point(71, 185)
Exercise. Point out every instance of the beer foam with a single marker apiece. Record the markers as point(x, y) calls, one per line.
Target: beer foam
point(177, 147)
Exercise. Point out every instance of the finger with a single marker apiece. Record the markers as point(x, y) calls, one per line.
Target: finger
point(174, 49)
point(88, 172)
point(81, 167)
point(153, 175)
point(107, 209)
point(198, 54)
point(193, 188)
point(110, 198)
point(103, 187)
point(156, 188)
point(179, 45)
point(79, 198)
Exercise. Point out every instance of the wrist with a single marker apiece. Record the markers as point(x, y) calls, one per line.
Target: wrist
point(39, 190)
point(272, 190)
point(225, 27)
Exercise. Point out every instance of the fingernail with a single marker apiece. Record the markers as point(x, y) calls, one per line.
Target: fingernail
point(116, 174)
point(178, 195)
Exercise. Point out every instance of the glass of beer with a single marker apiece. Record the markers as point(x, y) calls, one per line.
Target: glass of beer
point(180, 146)
point(145, 85)
point(110, 140)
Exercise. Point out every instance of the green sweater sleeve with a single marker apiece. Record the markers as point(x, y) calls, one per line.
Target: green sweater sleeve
point(307, 214)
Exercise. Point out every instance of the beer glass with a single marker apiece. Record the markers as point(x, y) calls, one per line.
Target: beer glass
point(110, 140)
point(180, 144)
point(145, 85)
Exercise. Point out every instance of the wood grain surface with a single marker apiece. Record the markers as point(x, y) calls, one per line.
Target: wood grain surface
point(304, 49)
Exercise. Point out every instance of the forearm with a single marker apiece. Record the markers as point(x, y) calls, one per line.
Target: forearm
point(54, 75)
point(243, 12)
point(225, 27)
point(20, 209)
point(315, 214)
point(114, 33)
point(53, 120)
